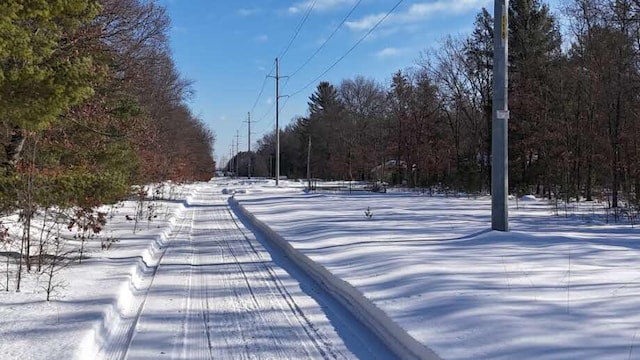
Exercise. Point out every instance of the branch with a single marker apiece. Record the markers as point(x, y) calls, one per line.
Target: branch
point(111, 135)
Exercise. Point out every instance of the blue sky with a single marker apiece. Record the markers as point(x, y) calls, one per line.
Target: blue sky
point(228, 47)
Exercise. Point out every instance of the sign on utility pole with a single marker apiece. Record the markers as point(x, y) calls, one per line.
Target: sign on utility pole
point(499, 142)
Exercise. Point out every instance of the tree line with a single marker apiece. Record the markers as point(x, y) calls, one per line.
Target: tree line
point(574, 98)
point(91, 104)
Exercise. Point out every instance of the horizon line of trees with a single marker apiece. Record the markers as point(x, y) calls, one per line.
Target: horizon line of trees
point(574, 129)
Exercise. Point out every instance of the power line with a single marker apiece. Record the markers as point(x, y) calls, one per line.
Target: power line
point(327, 40)
point(284, 51)
point(297, 31)
point(350, 50)
point(270, 126)
point(264, 83)
point(269, 111)
point(285, 103)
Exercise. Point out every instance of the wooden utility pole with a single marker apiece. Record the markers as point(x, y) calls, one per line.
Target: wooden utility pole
point(499, 142)
point(230, 163)
point(309, 164)
point(277, 77)
point(277, 123)
point(237, 151)
point(249, 146)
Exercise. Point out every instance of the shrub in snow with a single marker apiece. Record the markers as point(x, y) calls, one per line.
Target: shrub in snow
point(5, 241)
point(107, 242)
point(58, 259)
point(87, 223)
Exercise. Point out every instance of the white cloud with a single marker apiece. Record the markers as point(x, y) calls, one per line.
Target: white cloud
point(248, 12)
point(419, 12)
point(261, 38)
point(321, 5)
point(365, 23)
point(388, 52)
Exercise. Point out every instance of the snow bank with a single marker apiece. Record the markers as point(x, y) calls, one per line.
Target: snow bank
point(110, 337)
point(395, 337)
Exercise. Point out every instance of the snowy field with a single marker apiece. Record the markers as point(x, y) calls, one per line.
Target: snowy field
point(192, 283)
point(552, 288)
point(31, 328)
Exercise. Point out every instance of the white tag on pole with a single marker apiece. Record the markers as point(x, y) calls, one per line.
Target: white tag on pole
point(502, 114)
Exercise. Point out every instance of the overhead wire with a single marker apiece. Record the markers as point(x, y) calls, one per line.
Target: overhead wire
point(297, 31)
point(315, 53)
point(264, 83)
point(344, 20)
point(273, 105)
point(271, 126)
point(284, 51)
point(350, 50)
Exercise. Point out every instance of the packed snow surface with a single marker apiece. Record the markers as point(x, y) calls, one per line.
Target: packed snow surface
point(553, 288)
point(196, 286)
point(197, 283)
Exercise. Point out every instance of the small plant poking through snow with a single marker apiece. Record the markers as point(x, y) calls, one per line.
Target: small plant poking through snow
point(152, 213)
point(88, 223)
point(5, 241)
point(368, 213)
point(58, 259)
point(107, 242)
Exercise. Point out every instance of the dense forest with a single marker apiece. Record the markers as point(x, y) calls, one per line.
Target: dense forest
point(91, 103)
point(574, 93)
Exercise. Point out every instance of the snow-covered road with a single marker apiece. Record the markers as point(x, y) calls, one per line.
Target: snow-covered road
point(278, 273)
point(217, 294)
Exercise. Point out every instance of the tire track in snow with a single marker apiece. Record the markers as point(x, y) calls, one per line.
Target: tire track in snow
point(247, 261)
point(322, 344)
point(112, 338)
point(212, 294)
point(195, 314)
point(242, 304)
point(118, 347)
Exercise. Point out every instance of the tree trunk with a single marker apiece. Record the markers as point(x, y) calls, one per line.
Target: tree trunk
point(615, 144)
point(588, 191)
point(636, 189)
point(27, 240)
point(13, 149)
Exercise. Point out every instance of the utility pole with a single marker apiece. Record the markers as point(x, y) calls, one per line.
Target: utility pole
point(277, 77)
point(499, 142)
point(277, 124)
point(237, 151)
point(230, 163)
point(249, 146)
point(309, 164)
